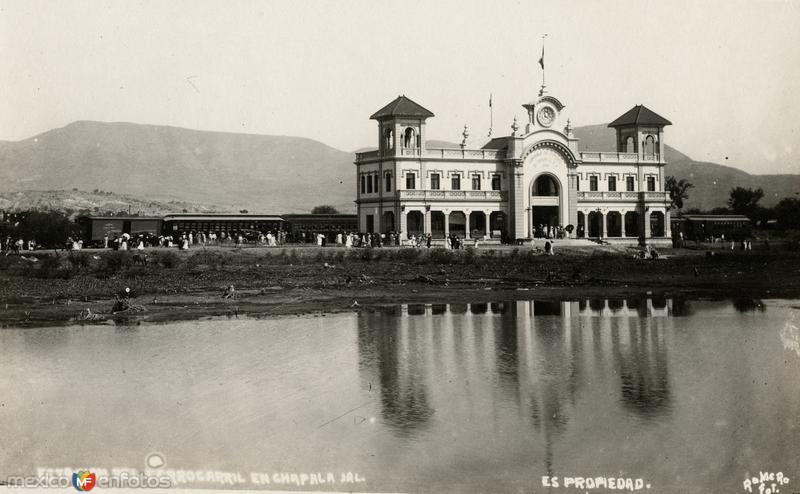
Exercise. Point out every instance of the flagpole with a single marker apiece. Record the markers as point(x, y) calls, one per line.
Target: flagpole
point(491, 120)
point(541, 62)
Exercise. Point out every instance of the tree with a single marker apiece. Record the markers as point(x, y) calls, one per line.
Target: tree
point(745, 201)
point(49, 229)
point(324, 209)
point(678, 191)
point(787, 212)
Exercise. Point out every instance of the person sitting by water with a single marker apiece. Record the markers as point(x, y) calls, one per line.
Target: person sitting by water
point(548, 248)
point(229, 292)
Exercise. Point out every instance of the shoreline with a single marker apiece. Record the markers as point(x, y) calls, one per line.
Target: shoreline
point(301, 281)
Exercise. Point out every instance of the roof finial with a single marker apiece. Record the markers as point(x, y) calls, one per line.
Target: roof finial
point(465, 134)
point(514, 126)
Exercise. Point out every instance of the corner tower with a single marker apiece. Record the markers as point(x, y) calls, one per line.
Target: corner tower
point(401, 127)
point(641, 131)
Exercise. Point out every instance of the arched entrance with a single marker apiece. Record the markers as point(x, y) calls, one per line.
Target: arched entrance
point(497, 224)
point(545, 202)
point(414, 222)
point(437, 224)
point(614, 223)
point(631, 224)
point(656, 224)
point(477, 224)
point(595, 224)
point(458, 224)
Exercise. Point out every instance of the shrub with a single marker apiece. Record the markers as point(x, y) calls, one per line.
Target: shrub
point(408, 254)
point(441, 256)
point(115, 261)
point(77, 260)
point(169, 259)
point(469, 255)
point(353, 255)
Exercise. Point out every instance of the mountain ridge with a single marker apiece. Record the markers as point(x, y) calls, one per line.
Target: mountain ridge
point(267, 173)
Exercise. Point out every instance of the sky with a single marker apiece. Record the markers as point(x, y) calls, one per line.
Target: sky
point(725, 73)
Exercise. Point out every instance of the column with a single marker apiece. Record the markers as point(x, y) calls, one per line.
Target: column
point(446, 223)
point(572, 201)
point(487, 232)
point(518, 216)
point(667, 224)
point(601, 223)
point(403, 225)
point(467, 213)
point(427, 226)
point(646, 222)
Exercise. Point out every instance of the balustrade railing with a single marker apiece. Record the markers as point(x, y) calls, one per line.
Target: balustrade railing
point(616, 157)
point(441, 153)
point(620, 196)
point(455, 195)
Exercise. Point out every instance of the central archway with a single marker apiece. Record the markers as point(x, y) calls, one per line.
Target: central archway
point(545, 206)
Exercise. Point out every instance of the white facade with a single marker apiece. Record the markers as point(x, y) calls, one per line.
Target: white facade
point(517, 187)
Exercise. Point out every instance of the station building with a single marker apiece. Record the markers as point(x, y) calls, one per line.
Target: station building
point(513, 188)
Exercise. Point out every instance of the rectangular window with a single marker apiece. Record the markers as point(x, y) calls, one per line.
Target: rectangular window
point(411, 181)
point(455, 182)
point(376, 186)
point(369, 184)
point(495, 182)
point(363, 184)
point(629, 184)
point(388, 182)
point(612, 183)
point(435, 181)
point(593, 183)
point(577, 182)
point(651, 184)
point(476, 182)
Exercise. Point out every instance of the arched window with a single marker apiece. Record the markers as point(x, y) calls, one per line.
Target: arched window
point(629, 145)
point(545, 185)
point(408, 138)
point(649, 146)
point(387, 139)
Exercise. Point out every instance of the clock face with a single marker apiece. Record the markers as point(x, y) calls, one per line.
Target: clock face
point(546, 116)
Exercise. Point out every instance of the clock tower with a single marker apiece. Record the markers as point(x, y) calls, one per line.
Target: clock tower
point(543, 113)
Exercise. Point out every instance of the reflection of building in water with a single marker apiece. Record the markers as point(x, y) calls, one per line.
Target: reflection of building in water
point(387, 353)
point(535, 357)
point(641, 307)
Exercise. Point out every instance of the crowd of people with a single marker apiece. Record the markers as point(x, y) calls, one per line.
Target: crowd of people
point(549, 231)
point(16, 245)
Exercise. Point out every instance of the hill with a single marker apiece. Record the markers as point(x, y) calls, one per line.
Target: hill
point(96, 202)
point(275, 174)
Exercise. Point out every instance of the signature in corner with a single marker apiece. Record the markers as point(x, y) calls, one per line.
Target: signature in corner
point(765, 482)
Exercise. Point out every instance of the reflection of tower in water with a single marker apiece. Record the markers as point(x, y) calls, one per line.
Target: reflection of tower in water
point(386, 351)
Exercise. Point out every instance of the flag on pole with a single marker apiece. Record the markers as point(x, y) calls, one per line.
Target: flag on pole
point(541, 60)
point(490, 100)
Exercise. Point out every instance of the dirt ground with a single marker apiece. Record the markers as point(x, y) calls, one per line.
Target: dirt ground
point(46, 288)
